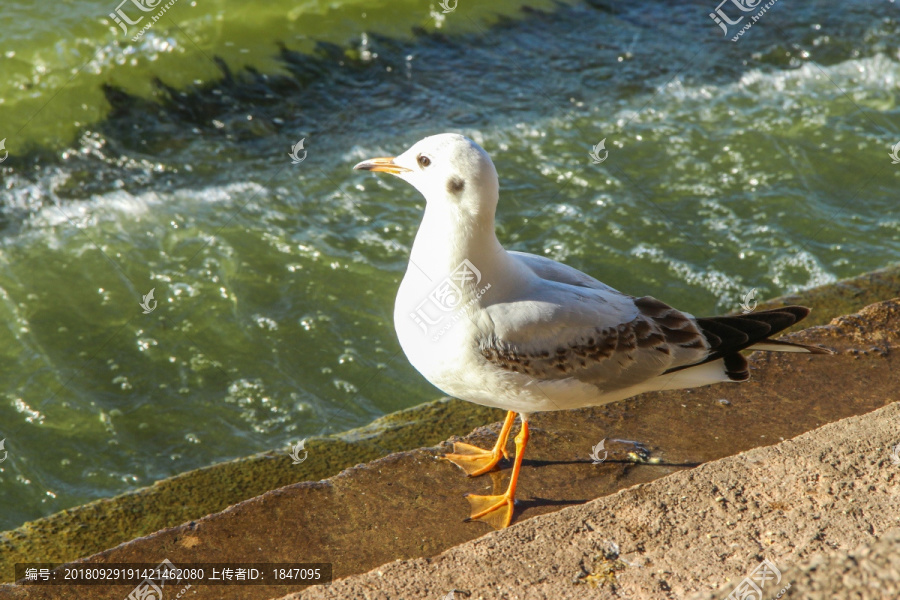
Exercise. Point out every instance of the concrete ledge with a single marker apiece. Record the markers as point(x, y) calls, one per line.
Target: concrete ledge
point(802, 504)
point(93, 527)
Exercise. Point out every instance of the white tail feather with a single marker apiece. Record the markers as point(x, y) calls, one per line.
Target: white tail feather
point(776, 346)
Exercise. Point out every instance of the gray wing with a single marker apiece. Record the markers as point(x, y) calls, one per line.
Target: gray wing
point(549, 269)
point(569, 325)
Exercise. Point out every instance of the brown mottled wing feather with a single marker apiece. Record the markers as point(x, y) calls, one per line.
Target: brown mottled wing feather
point(656, 337)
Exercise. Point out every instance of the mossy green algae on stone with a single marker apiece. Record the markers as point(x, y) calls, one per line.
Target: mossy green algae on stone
point(90, 528)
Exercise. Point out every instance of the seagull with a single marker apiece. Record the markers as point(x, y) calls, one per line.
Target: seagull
point(527, 334)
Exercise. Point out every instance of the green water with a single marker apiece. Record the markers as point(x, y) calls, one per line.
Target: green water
point(164, 164)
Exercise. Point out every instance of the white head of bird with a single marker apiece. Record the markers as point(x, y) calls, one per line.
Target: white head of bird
point(456, 176)
point(461, 189)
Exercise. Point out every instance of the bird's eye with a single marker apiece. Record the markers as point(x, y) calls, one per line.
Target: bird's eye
point(423, 161)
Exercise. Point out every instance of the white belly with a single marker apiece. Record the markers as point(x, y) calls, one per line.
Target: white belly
point(441, 345)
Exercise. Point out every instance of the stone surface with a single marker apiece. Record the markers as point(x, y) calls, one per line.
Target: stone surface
point(804, 504)
point(93, 527)
point(410, 505)
point(870, 572)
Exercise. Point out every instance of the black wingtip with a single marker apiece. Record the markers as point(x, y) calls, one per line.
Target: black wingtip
point(736, 367)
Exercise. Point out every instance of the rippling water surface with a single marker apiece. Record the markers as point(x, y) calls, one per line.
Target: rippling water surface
point(163, 164)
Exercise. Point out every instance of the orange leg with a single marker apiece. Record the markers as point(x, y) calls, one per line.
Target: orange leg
point(497, 511)
point(477, 461)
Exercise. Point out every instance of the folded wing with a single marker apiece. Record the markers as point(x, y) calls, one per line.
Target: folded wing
point(572, 326)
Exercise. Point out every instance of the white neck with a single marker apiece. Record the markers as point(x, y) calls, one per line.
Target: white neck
point(446, 238)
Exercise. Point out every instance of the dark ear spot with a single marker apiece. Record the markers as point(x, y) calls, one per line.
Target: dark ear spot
point(455, 185)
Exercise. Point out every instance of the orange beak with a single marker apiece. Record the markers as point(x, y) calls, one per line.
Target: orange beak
point(386, 165)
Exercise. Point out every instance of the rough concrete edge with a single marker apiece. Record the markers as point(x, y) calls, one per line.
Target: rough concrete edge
point(90, 528)
point(62, 537)
point(842, 573)
point(804, 569)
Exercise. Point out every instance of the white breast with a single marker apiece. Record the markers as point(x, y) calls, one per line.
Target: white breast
point(440, 342)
